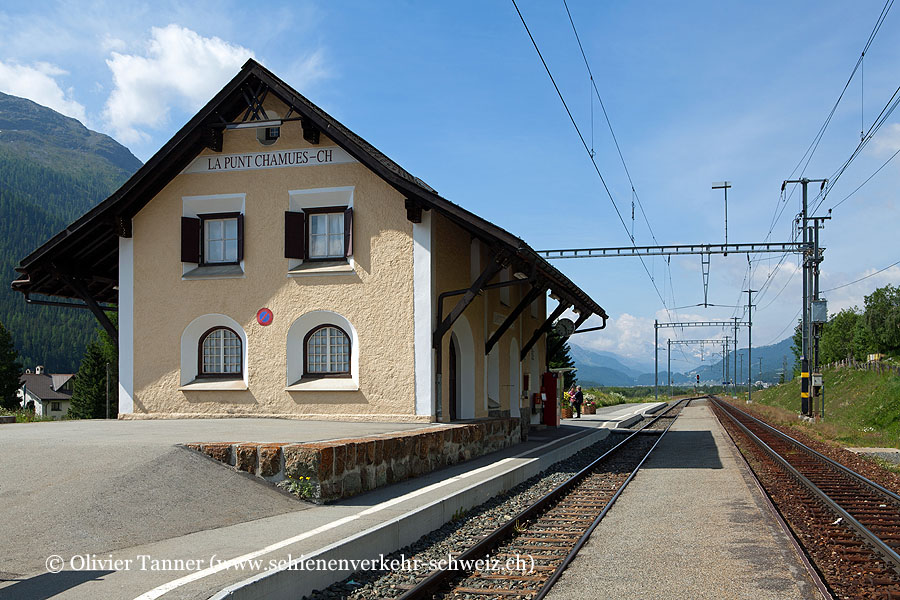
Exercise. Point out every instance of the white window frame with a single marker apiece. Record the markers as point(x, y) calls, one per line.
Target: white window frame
point(196, 206)
point(329, 353)
point(329, 236)
point(222, 355)
point(223, 241)
point(296, 354)
point(301, 201)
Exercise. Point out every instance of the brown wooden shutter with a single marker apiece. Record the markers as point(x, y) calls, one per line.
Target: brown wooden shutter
point(294, 234)
point(348, 231)
point(240, 240)
point(190, 240)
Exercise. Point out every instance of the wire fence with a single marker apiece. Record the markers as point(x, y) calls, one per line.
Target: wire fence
point(875, 366)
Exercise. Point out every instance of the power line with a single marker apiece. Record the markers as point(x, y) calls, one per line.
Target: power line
point(608, 123)
point(780, 333)
point(882, 118)
point(818, 138)
point(837, 287)
point(847, 197)
point(586, 148)
point(635, 195)
point(811, 149)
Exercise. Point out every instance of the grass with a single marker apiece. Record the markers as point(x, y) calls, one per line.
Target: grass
point(861, 408)
point(607, 398)
point(24, 416)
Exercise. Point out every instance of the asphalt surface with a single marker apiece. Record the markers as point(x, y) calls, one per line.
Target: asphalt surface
point(691, 525)
point(79, 487)
point(120, 490)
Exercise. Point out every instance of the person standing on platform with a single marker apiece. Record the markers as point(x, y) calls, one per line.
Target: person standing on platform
point(577, 401)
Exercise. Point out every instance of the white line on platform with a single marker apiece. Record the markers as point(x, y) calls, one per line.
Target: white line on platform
point(177, 583)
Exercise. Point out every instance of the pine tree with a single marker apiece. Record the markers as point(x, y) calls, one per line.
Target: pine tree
point(561, 358)
point(10, 371)
point(99, 369)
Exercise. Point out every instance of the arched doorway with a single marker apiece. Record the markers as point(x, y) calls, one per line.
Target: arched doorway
point(493, 379)
point(515, 379)
point(453, 380)
point(463, 350)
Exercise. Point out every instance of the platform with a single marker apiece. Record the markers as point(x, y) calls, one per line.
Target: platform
point(691, 525)
point(621, 415)
point(242, 525)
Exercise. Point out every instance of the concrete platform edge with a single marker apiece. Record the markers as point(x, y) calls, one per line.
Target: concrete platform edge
point(396, 533)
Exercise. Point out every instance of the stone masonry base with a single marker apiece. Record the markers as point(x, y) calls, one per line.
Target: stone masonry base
point(328, 471)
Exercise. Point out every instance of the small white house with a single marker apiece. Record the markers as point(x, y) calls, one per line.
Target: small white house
point(48, 395)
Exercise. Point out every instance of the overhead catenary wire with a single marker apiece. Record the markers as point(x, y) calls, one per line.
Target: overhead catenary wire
point(882, 118)
point(635, 197)
point(837, 287)
point(869, 178)
point(586, 148)
point(814, 144)
point(793, 320)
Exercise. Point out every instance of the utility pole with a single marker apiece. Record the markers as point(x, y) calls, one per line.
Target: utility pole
point(804, 326)
point(725, 368)
point(656, 359)
point(724, 185)
point(760, 367)
point(749, 345)
point(669, 369)
point(741, 374)
point(735, 380)
point(818, 316)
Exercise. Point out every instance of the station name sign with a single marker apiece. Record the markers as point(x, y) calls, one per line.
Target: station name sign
point(304, 157)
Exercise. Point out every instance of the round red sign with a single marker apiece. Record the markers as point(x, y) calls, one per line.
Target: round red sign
point(264, 317)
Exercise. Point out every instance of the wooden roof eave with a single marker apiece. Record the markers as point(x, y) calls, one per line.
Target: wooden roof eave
point(184, 146)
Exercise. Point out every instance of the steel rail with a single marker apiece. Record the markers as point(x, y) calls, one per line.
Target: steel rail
point(844, 469)
point(434, 581)
point(545, 589)
point(811, 571)
point(886, 551)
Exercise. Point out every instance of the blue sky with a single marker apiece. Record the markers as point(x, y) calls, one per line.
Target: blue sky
point(696, 92)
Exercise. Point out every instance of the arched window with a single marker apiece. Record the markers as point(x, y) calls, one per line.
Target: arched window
point(326, 352)
point(220, 354)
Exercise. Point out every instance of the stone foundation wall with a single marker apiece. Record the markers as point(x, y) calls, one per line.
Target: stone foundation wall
point(328, 471)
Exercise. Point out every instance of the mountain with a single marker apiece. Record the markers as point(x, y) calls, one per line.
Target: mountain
point(597, 367)
point(52, 170)
point(768, 362)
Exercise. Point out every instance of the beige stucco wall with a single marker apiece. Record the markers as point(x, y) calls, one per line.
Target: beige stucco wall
point(377, 299)
point(454, 269)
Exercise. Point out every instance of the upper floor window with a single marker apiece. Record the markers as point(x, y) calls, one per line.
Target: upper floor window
point(319, 233)
point(220, 239)
point(213, 239)
point(327, 349)
point(220, 354)
point(326, 235)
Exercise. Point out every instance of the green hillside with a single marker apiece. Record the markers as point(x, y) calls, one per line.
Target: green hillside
point(862, 408)
point(52, 170)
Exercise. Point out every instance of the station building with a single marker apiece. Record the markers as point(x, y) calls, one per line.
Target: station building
point(267, 261)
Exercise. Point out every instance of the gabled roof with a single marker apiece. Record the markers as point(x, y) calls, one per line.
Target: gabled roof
point(88, 248)
point(41, 386)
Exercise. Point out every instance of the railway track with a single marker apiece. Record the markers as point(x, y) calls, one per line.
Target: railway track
point(848, 525)
point(524, 557)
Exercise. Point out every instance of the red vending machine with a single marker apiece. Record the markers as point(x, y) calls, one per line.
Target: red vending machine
point(548, 388)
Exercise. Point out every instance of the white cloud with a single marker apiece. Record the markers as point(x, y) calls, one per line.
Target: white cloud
point(625, 335)
point(178, 67)
point(37, 82)
point(888, 140)
point(854, 295)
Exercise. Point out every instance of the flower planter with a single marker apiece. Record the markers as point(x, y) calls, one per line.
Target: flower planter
point(589, 410)
point(566, 413)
